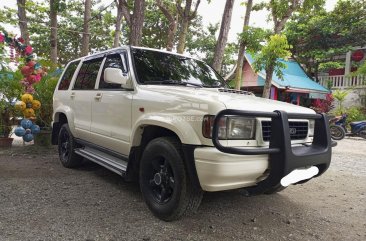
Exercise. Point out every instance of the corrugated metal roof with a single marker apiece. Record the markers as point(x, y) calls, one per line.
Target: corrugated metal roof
point(294, 77)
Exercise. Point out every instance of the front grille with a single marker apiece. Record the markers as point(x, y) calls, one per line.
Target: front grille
point(298, 130)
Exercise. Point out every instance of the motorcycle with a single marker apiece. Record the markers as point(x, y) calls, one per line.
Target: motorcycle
point(337, 132)
point(338, 128)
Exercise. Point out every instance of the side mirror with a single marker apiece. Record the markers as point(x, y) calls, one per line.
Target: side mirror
point(114, 76)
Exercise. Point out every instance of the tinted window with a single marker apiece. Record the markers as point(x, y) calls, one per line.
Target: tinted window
point(67, 76)
point(153, 67)
point(112, 61)
point(88, 75)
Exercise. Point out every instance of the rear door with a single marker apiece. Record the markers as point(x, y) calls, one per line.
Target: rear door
point(82, 96)
point(111, 109)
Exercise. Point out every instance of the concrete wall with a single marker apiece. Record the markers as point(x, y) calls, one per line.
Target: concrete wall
point(355, 97)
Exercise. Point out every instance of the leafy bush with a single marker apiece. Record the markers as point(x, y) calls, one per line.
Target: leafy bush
point(44, 93)
point(323, 106)
point(355, 114)
point(10, 91)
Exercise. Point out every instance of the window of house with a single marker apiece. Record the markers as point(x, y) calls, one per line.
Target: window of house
point(88, 74)
point(67, 76)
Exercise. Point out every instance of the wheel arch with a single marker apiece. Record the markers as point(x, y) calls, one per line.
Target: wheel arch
point(147, 131)
point(60, 117)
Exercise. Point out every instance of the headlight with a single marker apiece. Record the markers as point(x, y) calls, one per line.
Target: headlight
point(230, 127)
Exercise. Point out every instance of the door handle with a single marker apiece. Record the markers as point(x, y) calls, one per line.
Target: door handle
point(98, 96)
point(72, 95)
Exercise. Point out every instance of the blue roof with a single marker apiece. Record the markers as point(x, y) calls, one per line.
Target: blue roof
point(293, 77)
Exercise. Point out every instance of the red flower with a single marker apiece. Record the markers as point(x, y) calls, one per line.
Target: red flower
point(28, 50)
point(20, 39)
point(2, 38)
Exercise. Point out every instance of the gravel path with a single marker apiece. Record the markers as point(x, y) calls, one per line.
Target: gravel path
point(41, 200)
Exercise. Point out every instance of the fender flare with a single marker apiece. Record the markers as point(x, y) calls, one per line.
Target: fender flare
point(183, 130)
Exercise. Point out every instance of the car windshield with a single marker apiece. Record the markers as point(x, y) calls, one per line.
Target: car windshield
point(154, 67)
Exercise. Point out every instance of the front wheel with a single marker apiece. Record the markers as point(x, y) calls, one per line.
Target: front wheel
point(337, 132)
point(164, 182)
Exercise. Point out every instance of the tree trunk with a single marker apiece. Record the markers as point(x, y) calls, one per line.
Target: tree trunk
point(137, 22)
point(186, 16)
point(239, 66)
point(173, 22)
point(279, 25)
point(222, 39)
point(23, 22)
point(117, 32)
point(268, 83)
point(240, 61)
point(183, 36)
point(53, 39)
point(171, 34)
point(86, 34)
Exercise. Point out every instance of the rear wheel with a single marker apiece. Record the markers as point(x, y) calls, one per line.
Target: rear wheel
point(363, 133)
point(337, 132)
point(164, 180)
point(66, 147)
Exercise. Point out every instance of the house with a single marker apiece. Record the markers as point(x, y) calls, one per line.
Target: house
point(295, 87)
point(347, 79)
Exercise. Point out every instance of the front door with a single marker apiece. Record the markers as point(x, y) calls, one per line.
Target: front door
point(111, 109)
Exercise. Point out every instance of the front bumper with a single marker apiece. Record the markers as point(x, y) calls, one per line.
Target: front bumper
point(234, 167)
point(219, 171)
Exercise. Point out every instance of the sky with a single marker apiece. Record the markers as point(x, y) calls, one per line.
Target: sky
point(211, 13)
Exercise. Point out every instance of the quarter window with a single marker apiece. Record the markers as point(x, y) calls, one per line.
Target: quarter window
point(112, 61)
point(88, 75)
point(67, 76)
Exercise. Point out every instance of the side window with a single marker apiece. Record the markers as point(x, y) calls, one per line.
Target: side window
point(67, 76)
point(88, 74)
point(112, 61)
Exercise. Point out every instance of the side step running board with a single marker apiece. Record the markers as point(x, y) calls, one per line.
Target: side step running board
point(110, 162)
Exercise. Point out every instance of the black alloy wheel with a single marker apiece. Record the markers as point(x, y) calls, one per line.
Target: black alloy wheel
point(164, 180)
point(66, 148)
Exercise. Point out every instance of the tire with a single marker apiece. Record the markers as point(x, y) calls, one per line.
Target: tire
point(164, 181)
point(363, 133)
point(337, 132)
point(66, 147)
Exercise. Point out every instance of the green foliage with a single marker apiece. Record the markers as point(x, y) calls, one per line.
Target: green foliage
point(201, 43)
point(156, 25)
point(70, 23)
point(253, 37)
point(44, 93)
point(355, 114)
point(276, 48)
point(10, 91)
point(319, 36)
point(330, 65)
point(362, 69)
point(340, 96)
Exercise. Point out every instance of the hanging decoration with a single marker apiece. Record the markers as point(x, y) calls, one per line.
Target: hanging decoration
point(32, 72)
point(27, 130)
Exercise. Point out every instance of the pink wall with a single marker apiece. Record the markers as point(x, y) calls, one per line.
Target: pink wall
point(249, 76)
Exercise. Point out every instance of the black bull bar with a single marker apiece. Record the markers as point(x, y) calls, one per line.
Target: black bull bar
point(283, 158)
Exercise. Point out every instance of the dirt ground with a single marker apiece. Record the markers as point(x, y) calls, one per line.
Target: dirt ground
point(41, 200)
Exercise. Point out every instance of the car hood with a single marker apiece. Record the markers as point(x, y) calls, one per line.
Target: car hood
point(229, 100)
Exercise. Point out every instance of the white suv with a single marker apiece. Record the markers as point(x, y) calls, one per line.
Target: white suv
point(170, 122)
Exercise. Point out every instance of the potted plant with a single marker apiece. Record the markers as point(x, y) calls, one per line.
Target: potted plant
point(10, 91)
